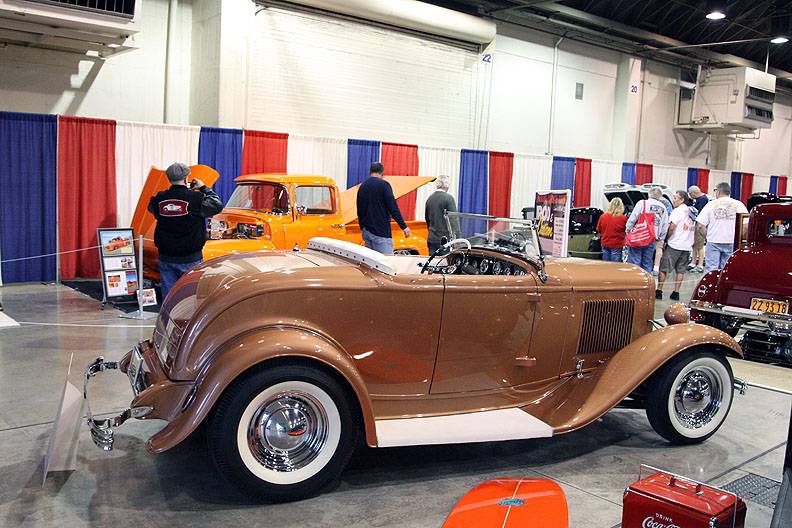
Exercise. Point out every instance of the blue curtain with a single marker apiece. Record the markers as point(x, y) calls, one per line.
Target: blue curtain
point(474, 189)
point(773, 185)
point(221, 149)
point(563, 175)
point(628, 173)
point(28, 199)
point(692, 178)
point(736, 184)
point(361, 153)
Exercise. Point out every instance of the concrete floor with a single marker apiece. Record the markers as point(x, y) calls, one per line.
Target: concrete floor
point(404, 487)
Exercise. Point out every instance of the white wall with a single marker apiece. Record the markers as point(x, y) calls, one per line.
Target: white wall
point(313, 75)
point(130, 86)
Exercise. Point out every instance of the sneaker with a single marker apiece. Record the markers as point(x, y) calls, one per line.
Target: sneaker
point(658, 294)
point(674, 296)
point(691, 267)
point(699, 269)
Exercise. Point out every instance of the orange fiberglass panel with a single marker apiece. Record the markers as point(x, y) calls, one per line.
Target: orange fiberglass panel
point(511, 503)
point(143, 223)
point(401, 185)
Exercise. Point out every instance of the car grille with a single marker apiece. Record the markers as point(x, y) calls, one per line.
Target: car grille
point(606, 326)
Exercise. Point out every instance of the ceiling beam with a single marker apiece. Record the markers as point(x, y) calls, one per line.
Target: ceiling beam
point(521, 4)
point(653, 38)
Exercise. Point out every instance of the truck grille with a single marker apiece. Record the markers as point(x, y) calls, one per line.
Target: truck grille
point(606, 326)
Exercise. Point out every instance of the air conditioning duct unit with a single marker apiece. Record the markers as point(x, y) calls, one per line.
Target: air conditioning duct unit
point(409, 15)
point(76, 26)
point(727, 101)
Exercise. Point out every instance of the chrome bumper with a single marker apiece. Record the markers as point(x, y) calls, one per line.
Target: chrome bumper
point(745, 313)
point(103, 429)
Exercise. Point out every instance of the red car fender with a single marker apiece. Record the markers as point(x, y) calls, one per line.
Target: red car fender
point(706, 290)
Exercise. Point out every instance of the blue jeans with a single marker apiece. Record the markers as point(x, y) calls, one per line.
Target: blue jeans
point(170, 272)
point(643, 257)
point(378, 243)
point(716, 255)
point(611, 254)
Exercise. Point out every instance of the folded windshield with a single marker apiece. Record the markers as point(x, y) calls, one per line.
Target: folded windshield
point(513, 235)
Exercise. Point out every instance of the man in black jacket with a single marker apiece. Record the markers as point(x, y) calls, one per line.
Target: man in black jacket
point(181, 214)
point(376, 206)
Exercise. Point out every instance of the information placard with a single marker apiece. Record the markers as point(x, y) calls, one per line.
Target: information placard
point(552, 215)
point(118, 262)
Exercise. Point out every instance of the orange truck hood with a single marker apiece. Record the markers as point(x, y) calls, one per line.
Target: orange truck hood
point(401, 185)
point(143, 223)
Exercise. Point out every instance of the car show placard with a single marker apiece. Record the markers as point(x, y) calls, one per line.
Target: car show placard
point(118, 262)
point(552, 216)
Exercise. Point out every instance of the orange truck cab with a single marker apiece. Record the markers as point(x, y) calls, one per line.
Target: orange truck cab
point(277, 211)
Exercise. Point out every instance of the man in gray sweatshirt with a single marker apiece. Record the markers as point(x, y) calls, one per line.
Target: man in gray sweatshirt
point(437, 205)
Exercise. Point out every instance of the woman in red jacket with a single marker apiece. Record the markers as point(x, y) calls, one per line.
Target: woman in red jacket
point(611, 229)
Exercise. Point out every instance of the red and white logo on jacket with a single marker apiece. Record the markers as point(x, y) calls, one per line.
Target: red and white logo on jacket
point(173, 207)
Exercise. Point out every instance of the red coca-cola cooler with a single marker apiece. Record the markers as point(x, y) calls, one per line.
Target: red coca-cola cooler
point(665, 500)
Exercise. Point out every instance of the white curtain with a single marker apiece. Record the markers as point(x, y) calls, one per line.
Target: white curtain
point(715, 177)
point(531, 173)
point(436, 161)
point(319, 156)
point(140, 146)
point(603, 173)
point(761, 183)
point(674, 177)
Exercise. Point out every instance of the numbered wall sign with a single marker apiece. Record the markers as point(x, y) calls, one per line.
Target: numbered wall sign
point(634, 89)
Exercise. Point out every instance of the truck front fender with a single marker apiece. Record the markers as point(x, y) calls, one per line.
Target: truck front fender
point(254, 349)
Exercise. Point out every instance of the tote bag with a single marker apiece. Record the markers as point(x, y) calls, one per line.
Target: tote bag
point(643, 232)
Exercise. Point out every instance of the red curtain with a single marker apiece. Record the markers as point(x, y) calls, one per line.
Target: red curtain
point(643, 173)
point(746, 187)
point(782, 186)
point(703, 180)
point(582, 192)
point(500, 182)
point(264, 152)
point(86, 191)
point(402, 160)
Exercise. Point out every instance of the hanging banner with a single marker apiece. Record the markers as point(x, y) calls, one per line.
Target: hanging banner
point(552, 216)
point(117, 258)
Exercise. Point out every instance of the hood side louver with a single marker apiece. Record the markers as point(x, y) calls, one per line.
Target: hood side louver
point(606, 326)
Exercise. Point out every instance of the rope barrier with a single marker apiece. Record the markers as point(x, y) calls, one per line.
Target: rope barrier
point(49, 254)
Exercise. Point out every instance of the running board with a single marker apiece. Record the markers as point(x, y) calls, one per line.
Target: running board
point(485, 426)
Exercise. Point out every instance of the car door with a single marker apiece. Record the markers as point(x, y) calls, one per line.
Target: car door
point(485, 336)
point(316, 214)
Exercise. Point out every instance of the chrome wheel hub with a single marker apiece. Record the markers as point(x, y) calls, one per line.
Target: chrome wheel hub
point(698, 397)
point(287, 431)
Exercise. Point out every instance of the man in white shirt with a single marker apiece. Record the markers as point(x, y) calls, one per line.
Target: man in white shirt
point(679, 243)
point(717, 222)
point(644, 256)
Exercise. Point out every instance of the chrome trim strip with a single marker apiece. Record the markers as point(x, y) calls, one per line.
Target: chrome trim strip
point(734, 311)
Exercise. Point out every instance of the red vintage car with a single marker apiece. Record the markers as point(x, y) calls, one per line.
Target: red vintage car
point(755, 287)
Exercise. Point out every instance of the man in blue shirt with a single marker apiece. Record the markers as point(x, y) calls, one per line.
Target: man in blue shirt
point(376, 205)
point(701, 199)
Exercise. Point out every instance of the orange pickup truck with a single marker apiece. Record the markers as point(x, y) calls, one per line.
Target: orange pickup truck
point(277, 211)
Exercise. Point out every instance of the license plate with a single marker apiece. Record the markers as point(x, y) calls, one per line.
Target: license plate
point(770, 306)
point(135, 363)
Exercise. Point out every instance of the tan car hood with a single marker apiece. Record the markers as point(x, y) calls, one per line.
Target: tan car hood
point(401, 185)
point(144, 222)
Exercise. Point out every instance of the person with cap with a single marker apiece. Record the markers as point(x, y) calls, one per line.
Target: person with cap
point(376, 205)
point(437, 205)
point(181, 213)
point(700, 200)
point(717, 222)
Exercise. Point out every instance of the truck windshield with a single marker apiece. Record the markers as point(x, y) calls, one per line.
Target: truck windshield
point(263, 196)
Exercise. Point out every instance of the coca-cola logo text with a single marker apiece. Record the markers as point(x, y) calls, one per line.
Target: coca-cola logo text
point(651, 522)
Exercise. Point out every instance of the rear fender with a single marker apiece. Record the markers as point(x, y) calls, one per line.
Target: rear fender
point(254, 349)
point(706, 290)
point(588, 398)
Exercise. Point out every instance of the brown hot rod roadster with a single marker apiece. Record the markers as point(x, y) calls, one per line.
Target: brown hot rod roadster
point(290, 357)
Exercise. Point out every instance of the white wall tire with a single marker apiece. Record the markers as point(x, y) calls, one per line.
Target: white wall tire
point(688, 399)
point(283, 433)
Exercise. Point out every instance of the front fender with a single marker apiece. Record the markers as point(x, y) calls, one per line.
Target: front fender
point(588, 398)
point(252, 349)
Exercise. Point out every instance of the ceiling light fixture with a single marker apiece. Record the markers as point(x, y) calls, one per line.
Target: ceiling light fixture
point(716, 15)
point(780, 40)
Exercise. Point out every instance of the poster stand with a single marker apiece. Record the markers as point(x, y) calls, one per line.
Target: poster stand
point(139, 314)
point(552, 214)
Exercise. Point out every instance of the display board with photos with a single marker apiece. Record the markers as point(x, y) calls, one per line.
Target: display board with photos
point(118, 260)
point(552, 216)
